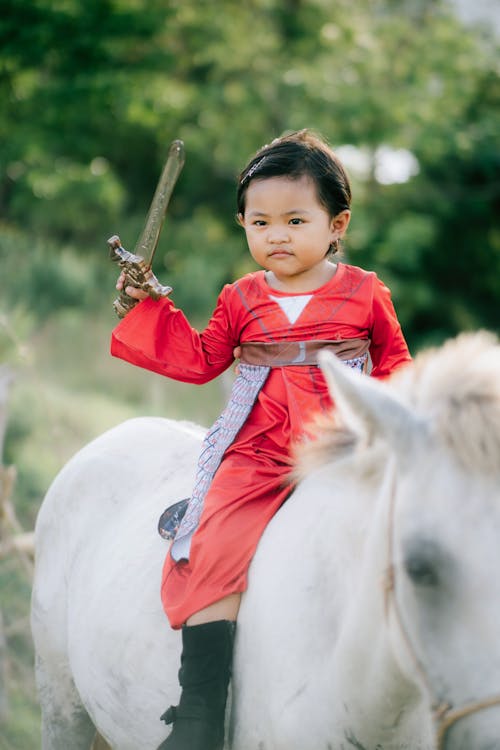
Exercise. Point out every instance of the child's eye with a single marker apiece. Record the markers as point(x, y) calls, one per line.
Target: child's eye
point(295, 221)
point(259, 223)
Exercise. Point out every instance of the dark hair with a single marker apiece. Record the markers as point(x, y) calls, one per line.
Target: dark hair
point(296, 155)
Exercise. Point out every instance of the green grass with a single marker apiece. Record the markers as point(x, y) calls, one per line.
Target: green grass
point(21, 729)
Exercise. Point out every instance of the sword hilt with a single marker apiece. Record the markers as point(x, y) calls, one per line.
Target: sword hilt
point(137, 273)
point(137, 268)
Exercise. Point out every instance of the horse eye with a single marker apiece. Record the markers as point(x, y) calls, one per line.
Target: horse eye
point(422, 564)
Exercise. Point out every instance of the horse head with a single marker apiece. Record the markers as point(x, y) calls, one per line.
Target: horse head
point(440, 423)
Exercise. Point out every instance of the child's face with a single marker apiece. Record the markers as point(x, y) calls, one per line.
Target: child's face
point(288, 230)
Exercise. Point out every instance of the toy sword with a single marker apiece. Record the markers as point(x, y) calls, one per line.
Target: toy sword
point(137, 265)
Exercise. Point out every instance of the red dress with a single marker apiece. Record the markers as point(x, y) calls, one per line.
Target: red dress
point(252, 480)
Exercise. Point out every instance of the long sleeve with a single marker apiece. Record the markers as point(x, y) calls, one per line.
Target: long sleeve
point(157, 336)
point(388, 349)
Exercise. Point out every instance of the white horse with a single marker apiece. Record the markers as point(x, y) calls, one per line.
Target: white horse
point(372, 615)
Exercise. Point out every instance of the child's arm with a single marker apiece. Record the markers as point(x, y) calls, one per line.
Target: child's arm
point(388, 348)
point(157, 336)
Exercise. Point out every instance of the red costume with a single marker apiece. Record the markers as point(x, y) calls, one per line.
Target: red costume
point(251, 481)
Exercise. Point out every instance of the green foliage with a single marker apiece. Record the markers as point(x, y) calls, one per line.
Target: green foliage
point(43, 278)
point(53, 195)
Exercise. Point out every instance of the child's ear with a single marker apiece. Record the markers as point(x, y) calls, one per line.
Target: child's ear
point(341, 222)
point(240, 219)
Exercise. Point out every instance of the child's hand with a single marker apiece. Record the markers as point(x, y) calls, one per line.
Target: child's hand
point(132, 291)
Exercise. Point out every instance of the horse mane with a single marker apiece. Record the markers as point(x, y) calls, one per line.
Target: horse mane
point(455, 387)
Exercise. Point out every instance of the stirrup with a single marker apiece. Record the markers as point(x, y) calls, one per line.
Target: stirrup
point(171, 518)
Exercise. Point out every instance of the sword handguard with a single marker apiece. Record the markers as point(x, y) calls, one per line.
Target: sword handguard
point(137, 273)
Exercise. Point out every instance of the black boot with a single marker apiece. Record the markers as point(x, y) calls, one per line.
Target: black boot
point(204, 677)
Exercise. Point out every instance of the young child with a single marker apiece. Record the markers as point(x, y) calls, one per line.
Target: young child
point(294, 204)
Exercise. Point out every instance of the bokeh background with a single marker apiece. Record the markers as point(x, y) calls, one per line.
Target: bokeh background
point(91, 95)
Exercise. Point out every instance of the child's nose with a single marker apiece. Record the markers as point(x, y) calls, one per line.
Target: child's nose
point(277, 234)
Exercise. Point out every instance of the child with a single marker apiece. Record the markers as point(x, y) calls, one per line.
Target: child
point(294, 204)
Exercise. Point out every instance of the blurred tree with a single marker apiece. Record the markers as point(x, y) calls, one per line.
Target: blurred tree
point(436, 238)
point(91, 94)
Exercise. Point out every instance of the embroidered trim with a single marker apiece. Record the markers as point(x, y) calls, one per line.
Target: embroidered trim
point(220, 436)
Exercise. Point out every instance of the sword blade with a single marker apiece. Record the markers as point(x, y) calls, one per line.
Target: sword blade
point(148, 241)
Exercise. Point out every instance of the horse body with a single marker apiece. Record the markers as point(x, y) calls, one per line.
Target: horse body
point(403, 502)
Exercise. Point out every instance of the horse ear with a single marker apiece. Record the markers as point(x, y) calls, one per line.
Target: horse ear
point(370, 404)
